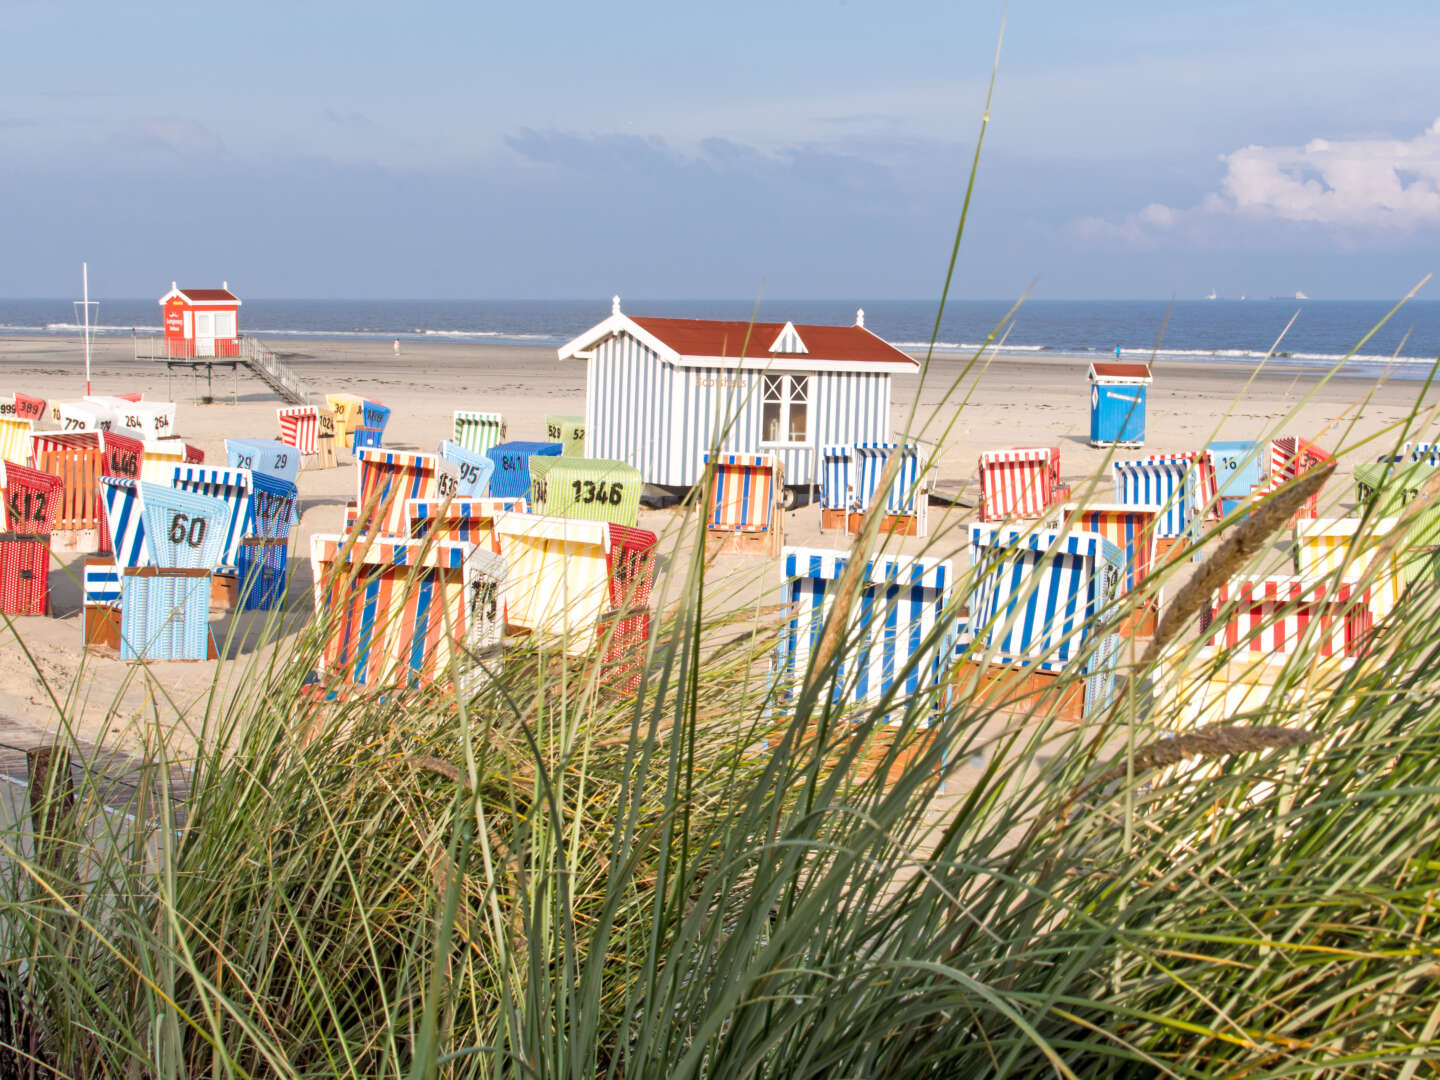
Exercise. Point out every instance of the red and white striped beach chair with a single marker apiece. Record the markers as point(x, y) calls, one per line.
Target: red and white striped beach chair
point(1264, 619)
point(1019, 483)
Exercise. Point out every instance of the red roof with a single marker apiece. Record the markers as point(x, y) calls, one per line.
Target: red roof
point(209, 295)
point(707, 337)
point(1121, 370)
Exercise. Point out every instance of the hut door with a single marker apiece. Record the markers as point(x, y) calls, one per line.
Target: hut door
point(204, 333)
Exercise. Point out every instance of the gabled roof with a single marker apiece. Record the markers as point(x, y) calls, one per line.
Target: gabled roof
point(1119, 371)
point(201, 296)
point(708, 342)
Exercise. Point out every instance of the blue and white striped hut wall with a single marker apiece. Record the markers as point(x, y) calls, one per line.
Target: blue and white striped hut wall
point(660, 392)
point(901, 605)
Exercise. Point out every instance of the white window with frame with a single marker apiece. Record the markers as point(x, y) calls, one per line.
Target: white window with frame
point(785, 409)
point(225, 324)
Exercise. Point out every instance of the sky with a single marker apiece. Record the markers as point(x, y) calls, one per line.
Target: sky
point(809, 149)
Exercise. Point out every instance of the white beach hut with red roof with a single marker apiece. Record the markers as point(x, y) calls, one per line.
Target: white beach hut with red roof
point(660, 392)
point(201, 322)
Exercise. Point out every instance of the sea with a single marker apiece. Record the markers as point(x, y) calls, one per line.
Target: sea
point(1320, 334)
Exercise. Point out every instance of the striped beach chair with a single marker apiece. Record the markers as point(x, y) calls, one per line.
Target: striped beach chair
point(1265, 619)
point(1038, 600)
point(1170, 483)
point(1132, 529)
point(835, 480)
point(478, 431)
point(1018, 483)
point(464, 519)
point(28, 505)
point(398, 612)
point(270, 457)
point(187, 530)
point(902, 633)
point(232, 487)
point(745, 512)
point(300, 428)
point(474, 466)
point(908, 499)
point(1344, 549)
point(386, 479)
point(581, 584)
point(124, 517)
point(1426, 453)
point(511, 478)
point(15, 440)
point(77, 458)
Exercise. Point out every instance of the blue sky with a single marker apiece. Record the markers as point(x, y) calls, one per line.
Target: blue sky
point(810, 149)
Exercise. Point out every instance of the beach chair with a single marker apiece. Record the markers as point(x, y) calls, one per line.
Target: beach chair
point(1238, 467)
point(1019, 483)
point(386, 479)
point(1290, 458)
point(465, 519)
point(300, 429)
point(165, 606)
point(475, 469)
point(269, 457)
point(478, 431)
point(29, 408)
point(365, 438)
point(1132, 529)
point(581, 585)
point(233, 487)
point(1344, 549)
point(511, 478)
point(344, 414)
point(745, 513)
point(264, 558)
point(1425, 453)
point(143, 420)
point(591, 489)
point(569, 432)
point(905, 508)
point(1173, 483)
point(901, 633)
point(835, 490)
point(1386, 487)
point(1038, 603)
point(78, 459)
point(78, 416)
point(400, 613)
point(15, 440)
point(1264, 619)
point(29, 501)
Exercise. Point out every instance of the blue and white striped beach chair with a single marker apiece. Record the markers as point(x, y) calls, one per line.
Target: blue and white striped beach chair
point(1171, 484)
point(232, 486)
point(906, 497)
point(1037, 599)
point(124, 516)
point(900, 617)
point(835, 472)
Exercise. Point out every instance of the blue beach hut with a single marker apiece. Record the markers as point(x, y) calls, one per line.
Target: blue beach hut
point(1117, 402)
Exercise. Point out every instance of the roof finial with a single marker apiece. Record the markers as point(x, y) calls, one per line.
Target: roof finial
point(225, 285)
point(860, 316)
point(175, 286)
point(615, 305)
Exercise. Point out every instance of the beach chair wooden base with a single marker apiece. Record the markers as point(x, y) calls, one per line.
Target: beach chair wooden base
point(893, 524)
point(1140, 624)
point(733, 542)
point(224, 592)
point(834, 519)
point(1168, 547)
point(1036, 693)
point(873, 758)
point(75, 541)
point(102, 629)
point(325, 458)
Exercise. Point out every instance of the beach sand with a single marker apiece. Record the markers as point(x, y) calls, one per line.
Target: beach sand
point(1019, 400)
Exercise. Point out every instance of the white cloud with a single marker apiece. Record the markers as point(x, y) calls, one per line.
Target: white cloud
point(1351, 184)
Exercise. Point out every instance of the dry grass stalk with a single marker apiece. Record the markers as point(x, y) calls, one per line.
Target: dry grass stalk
point(1212, 741)
point(1270, 515)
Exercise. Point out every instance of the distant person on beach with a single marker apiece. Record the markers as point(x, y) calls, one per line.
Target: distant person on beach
point(1117, 350)
point(397, 348)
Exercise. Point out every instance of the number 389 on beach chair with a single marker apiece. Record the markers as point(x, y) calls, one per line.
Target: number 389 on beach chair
point(1038, 604)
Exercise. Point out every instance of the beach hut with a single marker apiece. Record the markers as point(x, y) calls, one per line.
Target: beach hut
point(300, 429)
point(662, 392)
point(1264, 619)
point(745, 513)
point(29, 408)
point(511, 477)
point(477, 431)
point(475, 468)
point(904, 508)
point(1117, 402)
point(569, 431)
point(268, 456)
point(469, 519)
point(15, 440)
point(901, 633)
point(1019, 483)
point(581, 585)
point(201, 322)
point(386, 479)
point(589, 488)
point(399, 613)
point(1038, 600)
point(28, 505)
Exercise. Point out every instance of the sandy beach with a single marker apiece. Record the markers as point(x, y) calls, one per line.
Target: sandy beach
point(1018, 400)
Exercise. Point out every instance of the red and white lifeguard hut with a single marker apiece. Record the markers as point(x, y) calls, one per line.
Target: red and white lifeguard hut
point(201, 322)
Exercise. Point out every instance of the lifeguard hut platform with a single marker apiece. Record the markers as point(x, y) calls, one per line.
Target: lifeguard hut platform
point(201, 332)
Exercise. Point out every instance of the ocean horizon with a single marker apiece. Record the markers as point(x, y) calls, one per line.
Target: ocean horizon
point(1218, 331)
